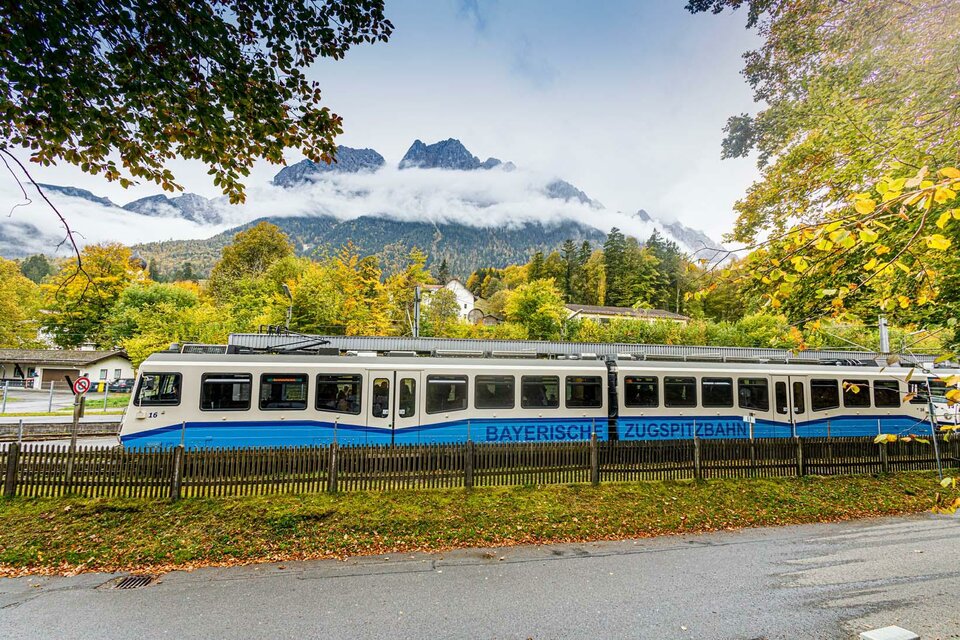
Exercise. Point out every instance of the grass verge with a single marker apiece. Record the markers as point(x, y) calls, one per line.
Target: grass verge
point(69, 535)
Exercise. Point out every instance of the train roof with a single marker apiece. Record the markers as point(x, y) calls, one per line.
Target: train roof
point(375, 362)
point(372, 362)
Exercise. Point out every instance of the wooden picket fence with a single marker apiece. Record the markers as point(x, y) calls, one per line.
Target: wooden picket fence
point(51, 470)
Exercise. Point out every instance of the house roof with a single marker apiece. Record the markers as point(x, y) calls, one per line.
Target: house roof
point(589, 309)
point(57, 357)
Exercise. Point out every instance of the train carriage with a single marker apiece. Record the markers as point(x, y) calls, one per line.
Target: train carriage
point(668, 400)
point(260, 400)
point(246, 400)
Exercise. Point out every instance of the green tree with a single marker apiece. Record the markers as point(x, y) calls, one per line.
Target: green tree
point(535, 269)
point(134, 83)
point(247, 258)
point(538, 307)
point(36, 267)
point(615, 267)
point(443, 272)
point(440, 314)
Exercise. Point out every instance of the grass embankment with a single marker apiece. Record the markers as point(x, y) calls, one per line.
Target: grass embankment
point(68, 535)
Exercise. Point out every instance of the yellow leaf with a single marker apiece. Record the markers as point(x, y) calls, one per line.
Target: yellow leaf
point(865, 206)
point(871, 265)
point(824, 245)
point(904, 302)
point(944, 218)
point(955, 213)
point(881, 249)
point(938, 242)
point(950, 172)
point(869, 235)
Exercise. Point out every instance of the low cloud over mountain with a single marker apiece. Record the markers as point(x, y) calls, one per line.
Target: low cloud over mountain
point(434, 184)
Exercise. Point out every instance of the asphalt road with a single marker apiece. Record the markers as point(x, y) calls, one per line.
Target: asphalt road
point(804, 582)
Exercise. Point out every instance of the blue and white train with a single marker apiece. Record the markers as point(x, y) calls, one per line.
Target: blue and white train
point(241, 400)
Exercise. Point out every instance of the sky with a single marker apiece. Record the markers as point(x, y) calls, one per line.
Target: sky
point(624, 99)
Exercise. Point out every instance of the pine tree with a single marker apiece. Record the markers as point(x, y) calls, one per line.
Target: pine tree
point(535, 270)
point(614, 262)
point(443, 272)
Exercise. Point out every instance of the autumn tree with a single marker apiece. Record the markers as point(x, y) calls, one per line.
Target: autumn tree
point(120, 88)
point(80, 308)
point(20, 303)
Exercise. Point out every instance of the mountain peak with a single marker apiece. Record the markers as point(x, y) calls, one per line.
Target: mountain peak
point(75, 192)
point(348, 160)
point(563, 190)
point(446, 154)
point(188, 206)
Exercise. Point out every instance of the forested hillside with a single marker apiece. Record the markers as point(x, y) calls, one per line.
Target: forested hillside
point(464, 248)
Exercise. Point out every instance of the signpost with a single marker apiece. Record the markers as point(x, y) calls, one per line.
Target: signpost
point(80, 386)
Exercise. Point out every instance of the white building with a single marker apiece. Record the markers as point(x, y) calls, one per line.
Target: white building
point(465, 299)
point(37, 368)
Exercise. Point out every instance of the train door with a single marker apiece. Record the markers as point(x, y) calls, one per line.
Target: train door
point(393, 403)
point(406, 402)
point(380, 406)
point(789, 401)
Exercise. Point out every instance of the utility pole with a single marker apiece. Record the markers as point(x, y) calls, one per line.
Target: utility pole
point(286, 290)
point(416, 311)
point(884, 335)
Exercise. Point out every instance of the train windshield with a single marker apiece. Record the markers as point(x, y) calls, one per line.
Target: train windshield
point(158, 389)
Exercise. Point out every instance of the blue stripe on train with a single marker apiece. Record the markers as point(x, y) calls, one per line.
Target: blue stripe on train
point(268, 433)
point(679, 427)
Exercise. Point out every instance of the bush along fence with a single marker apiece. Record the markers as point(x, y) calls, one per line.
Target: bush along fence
point(50, 470)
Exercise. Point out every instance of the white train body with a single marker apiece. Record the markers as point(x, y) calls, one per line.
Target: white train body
point(239, 400)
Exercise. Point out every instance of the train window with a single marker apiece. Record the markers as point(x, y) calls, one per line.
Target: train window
point(539, 392)
point(339, 393)
point(446, 393)
point(584, 392)
point(918, 389)
point(225, 391)
point(856, 393)
point(494, 392)
point(679, 392)
point(717, 392)
point(753, 393)
point(824, 394)
point(158, 390)
point(283, 391)
point(780, 390)
point(407, 403)
point(641, 391)
point(886, 394)
point(799, 404)
point(380, 404)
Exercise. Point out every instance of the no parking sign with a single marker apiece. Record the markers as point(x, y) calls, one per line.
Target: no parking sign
point(81, 385)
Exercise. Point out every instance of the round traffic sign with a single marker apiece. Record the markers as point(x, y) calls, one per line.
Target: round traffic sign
point(81, 385)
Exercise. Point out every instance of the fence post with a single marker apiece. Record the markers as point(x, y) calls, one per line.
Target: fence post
point(697, 468)
point(332, 470)
point(801, 463)
point(6, 388)
point(176, 483)
point(50, 399)
point(10, 479)
point(594, 461)
point(468, 465)
point(884, 460)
